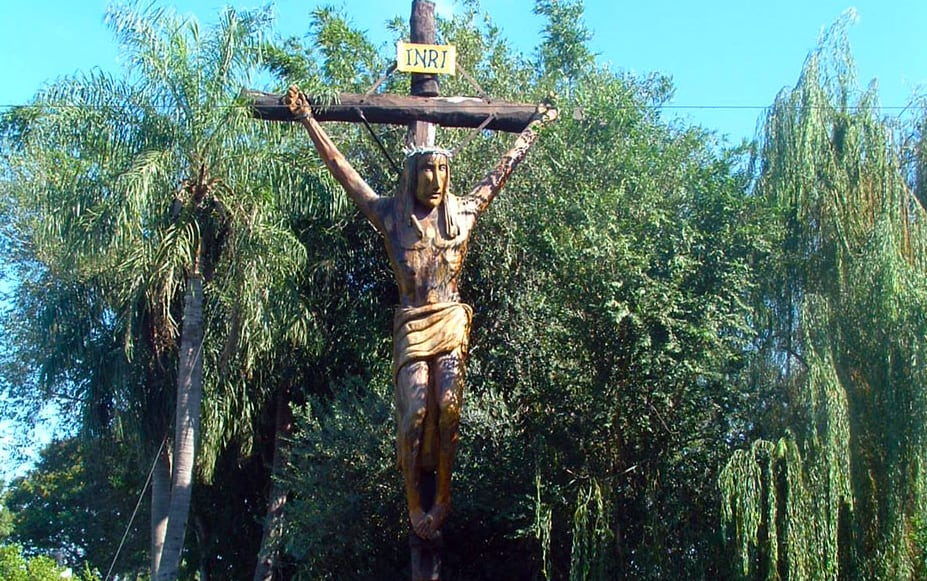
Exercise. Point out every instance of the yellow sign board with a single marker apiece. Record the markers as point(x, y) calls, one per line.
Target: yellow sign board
point(426, 58)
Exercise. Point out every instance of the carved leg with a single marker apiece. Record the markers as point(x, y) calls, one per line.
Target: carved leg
point(449, 382)
point(411, 390)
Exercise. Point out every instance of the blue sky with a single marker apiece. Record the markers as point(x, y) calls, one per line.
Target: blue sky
point(728, 58)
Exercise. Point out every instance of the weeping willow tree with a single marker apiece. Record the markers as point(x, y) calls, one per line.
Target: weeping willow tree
point(837, 486)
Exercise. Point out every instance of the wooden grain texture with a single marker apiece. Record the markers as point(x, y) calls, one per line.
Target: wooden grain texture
point(403, 110)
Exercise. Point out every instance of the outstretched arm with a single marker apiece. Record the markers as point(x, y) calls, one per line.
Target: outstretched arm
point(489, 186)
point(355, 186)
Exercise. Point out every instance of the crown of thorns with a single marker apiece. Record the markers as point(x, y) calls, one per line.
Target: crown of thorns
point(423, 150)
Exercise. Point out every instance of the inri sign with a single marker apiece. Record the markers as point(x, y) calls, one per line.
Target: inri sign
point(426, 58)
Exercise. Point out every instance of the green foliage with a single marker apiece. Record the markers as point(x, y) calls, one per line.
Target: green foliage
point(611, 288)
point(841, 343)
point(347, 488)
point(6, 523)
point(917, 153)
point(15, 567)
point(346, 53)
point(565, 52)
point(226, 518)
point(920, 541)
point(77, 503)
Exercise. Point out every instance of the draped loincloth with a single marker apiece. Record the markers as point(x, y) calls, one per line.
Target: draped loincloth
point(422, 333)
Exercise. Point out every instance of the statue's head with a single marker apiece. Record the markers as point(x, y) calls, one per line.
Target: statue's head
point(425, 182)
point(431, 179)
point(429, 175)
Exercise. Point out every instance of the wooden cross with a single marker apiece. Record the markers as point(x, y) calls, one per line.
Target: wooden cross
point(421, 107)
point(420, 112)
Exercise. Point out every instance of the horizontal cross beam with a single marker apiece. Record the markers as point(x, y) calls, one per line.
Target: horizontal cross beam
point(401, 110)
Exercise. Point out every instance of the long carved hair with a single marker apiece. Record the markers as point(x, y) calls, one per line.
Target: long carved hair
point(405, 200)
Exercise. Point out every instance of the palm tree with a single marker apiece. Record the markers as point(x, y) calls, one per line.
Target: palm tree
point(157, 195)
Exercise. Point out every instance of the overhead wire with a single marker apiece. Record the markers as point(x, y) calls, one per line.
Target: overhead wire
point(141, 496)
point(503, 106)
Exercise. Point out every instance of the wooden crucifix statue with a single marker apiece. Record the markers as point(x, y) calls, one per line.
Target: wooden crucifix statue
point(426, 229)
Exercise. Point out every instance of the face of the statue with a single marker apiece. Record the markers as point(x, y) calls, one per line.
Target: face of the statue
point(431, 180)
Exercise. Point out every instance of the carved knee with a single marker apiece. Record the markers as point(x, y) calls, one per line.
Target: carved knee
point(449, 407)
point(413, 420)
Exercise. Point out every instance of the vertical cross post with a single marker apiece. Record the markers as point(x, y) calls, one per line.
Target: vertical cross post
point(422, 31)
point(425, 554)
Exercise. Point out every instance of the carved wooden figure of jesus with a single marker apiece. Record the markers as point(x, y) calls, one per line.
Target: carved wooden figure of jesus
point(426, 230)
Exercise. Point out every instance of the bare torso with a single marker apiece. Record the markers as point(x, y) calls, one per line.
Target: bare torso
point(425, 259)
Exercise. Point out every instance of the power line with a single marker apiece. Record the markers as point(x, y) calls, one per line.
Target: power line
point(719, 107)
point(141, 495)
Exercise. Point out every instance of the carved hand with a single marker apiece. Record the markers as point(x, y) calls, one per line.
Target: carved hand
point(298, 103)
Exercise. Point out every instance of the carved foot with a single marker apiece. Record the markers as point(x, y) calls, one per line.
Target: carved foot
point(437, 515)
point(421, 524)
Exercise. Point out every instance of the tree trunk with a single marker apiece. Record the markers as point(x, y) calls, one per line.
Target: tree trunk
point(203, 540)
point(160, 504)
point(273, 522)
point(187, 426)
